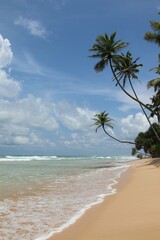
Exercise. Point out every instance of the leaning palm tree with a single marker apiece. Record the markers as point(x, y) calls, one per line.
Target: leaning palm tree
point(155, 83)
point(126, 69)
point(103, 120)
point(155, 106)
point(155, 35)
point(107, 50)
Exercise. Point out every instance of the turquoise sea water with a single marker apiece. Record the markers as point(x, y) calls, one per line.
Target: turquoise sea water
point(41, 195)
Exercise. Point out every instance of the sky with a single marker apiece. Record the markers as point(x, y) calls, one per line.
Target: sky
point(49, 91)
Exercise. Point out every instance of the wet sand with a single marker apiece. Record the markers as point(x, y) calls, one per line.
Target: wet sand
point(133, 213)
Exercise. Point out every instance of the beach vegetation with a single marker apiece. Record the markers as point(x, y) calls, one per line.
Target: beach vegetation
point(124, 70)
point(154, 37)
point(148, 142)
point(102, 120)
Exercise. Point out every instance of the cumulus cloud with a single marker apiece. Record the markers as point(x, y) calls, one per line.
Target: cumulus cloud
point(26, 121)
point(33, 26)
point(8, 87)
point(73, 117)
point(29, 120)
point(22, 121)
point(36, 121)
point(18, 139)
point(89, 140)
point(29, 112)
point(133, 124)
point(6, 54)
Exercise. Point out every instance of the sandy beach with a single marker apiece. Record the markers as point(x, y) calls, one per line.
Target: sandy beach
point(133, 213)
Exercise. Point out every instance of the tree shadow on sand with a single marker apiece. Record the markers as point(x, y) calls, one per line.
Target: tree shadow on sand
point(155, 161)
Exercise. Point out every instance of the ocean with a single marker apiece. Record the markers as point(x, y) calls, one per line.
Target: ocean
point(42, 195)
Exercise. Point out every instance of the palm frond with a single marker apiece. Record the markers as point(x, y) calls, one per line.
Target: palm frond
point(102, 119)
point(105, 48)
point(155, 25)
point(155, 83)
point(126, 68)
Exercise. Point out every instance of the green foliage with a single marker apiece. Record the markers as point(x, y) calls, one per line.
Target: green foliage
point(155, 106)
point(134, 151)
point(148, 142)
point(154, 37)
point(101, 120)
point(125, 69)
point(106, 48)
point(140, 155)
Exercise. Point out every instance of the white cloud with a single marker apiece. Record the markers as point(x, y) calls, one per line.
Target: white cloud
point(22, 121)
point(34, 121)
point(133, 124)
point(33, 26)
point(29, 120)
point(21, 140)
point(89, 140)
point(17, 139)
point(73, 117)
point(8, 87)
point(6, 54)
point(29, 112)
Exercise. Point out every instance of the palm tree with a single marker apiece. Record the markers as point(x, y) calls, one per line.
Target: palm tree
point(103, 120)
point(122, 66)
point(126, 69)
point(107, 48)
point(148, 141)
point(155, 35)
point(155, 83)
point(155, 106)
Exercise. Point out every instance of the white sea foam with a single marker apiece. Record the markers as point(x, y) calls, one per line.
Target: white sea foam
point(41, 158)
point(64, 189)
point(27, 158)
point(100, 198)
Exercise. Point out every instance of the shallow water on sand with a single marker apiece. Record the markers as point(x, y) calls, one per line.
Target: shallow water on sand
point(40, 195)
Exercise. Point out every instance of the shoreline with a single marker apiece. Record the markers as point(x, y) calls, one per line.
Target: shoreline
point(48, 196)
point(122, 215)
point(118, 180)
point(112, 190)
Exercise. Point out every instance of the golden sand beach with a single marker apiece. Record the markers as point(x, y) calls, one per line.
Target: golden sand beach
point(133, 213)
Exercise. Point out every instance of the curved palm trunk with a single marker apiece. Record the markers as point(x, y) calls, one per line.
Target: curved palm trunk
point(120, 141)
point(135, 99)
point(129, 95)
point(144, 110)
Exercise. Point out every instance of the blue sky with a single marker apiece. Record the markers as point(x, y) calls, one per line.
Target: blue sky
point(49, 91)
